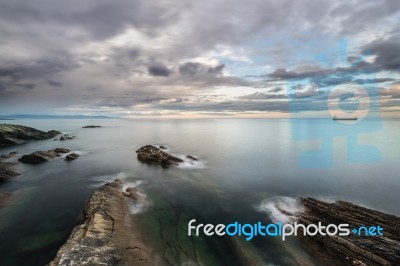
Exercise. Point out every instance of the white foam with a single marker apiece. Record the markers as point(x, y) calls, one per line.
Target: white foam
point(139, 206)
point(135, 184)
point(101, 180)
point(81, 153)
point(142, 203)
point(190, 164)
point(280, 209)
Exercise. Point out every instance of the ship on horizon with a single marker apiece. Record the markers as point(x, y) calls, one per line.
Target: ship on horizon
point(344, 118)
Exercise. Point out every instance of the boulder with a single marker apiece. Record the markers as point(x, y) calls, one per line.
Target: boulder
point(71, 157)
point(352, 249)
point(16, 134)
point(107, 235)
point(153, 155)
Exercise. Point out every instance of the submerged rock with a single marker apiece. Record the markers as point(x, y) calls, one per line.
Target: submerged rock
point(42, 156)
point(107, 236)
point(352, 249)
point(71, 157)
point(66, 137)
point(16, 134)
point(153, 155)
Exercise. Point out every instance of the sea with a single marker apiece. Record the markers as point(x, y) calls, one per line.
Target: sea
point(248, 170)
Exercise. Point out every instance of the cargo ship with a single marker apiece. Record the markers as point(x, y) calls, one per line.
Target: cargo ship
point(344, 118)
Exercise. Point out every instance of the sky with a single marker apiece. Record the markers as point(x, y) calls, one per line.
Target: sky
point(210, 58)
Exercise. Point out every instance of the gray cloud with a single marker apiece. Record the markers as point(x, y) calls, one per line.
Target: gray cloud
point(159, 70)
point(194, 68)
point(387, 52)
point(110, 54)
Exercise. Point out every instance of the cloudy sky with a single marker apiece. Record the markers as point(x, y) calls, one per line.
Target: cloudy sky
point(211, 58)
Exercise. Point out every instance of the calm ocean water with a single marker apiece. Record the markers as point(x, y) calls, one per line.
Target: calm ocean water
point(246, 166)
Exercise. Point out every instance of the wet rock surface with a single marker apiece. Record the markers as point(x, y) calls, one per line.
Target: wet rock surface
point(71, 157)
point(152, 155)
point(7, 169)
point(39, 157)
point(352, 249)
point(16, 134)
point(107, 236)
point(66, 137)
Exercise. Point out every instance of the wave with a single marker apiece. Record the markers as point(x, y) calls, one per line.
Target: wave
point(191, 164)
point(280, 209)
point(103, 179)
point(140, 205)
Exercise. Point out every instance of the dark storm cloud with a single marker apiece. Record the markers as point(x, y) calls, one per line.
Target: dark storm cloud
point(159, 70)
point(387, 53)
point(36, 69)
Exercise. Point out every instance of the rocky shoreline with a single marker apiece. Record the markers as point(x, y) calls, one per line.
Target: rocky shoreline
point(106, 236)
point(16, 134)
point(352, 249)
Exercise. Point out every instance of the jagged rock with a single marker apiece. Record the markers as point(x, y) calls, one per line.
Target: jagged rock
point(71, 157)
point(107, 236)
point(153, 155)
point(7, 169)
point(16, 134)
point(351, 249)
point(162, 147)
point(91, 126)
point(190, 157)
point(42, 156)
point(66, 137)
